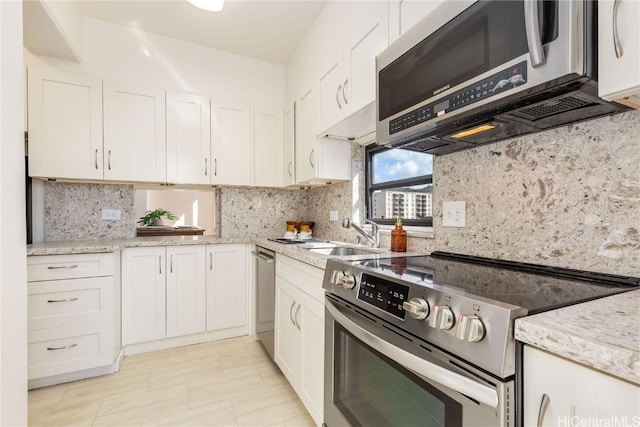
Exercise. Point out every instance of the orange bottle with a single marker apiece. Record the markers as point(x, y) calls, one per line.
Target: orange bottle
point(398, 238)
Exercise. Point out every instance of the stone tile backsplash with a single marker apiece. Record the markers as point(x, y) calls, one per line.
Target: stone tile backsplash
point(74, 211)
point(566, 197)
point(259, 212)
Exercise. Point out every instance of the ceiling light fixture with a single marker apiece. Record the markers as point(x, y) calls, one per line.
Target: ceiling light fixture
point(210, 5)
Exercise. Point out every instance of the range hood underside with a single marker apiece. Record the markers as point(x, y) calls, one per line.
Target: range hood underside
point(533, 112)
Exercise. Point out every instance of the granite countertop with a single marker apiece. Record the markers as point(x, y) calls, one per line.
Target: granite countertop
point(299, 252)
point(67, 247)
point(603, 334)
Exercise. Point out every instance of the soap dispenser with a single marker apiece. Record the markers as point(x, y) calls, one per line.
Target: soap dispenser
point(398, 238)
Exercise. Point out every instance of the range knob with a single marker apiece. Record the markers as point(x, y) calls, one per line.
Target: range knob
point(441, 318)
point(470, 328)
point(417, 308)
point(347, 280)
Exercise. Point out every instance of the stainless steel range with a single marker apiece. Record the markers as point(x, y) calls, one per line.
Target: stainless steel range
point(428, 340)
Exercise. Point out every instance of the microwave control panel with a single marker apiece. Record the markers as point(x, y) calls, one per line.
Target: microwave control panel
point(499, 82)
point(383, 294)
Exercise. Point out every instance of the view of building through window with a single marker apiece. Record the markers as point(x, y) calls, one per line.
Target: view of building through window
point(399, 184)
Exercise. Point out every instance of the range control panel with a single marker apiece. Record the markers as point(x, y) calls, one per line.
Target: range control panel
point(495, 84)
point(384, 294)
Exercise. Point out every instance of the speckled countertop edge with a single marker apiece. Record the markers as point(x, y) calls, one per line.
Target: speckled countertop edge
point(102, 245)
point(299, 252)
point(603, 334)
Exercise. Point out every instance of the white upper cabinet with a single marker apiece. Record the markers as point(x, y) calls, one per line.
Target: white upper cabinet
point(65, 125)
point(134, 133)
point(268, 143)
point(289, 146)
point(404, 14)
point(347, 80)
point(306, 139)
point(619, 51)
point(231, 143)
point(188, 139)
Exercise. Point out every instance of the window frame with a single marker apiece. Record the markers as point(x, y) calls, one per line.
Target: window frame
point(370, 188)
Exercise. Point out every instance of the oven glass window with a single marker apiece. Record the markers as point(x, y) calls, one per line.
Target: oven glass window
point(372, 390)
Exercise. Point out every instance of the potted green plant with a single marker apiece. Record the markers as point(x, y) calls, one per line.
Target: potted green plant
point(154, 217)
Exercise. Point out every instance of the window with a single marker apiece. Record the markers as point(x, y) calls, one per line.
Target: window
point(399, 184)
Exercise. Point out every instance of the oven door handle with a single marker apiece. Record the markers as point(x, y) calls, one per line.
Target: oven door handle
point(427, 370)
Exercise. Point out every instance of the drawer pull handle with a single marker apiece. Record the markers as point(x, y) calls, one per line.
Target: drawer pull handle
point(62, 267)
point(63, 300)
point(61, 348)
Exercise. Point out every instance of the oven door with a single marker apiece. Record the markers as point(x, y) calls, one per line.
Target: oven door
point(377, 376)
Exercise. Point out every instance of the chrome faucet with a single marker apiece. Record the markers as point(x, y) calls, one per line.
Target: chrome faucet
point(373, 238)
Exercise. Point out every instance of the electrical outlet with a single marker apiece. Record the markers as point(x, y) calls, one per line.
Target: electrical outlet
point(453, 214)
point(112, 214)
point(333, 215)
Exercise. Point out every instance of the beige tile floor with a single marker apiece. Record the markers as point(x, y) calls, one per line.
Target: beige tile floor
point(223, 383)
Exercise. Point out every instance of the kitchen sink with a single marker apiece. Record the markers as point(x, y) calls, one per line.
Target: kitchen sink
point(341, 251)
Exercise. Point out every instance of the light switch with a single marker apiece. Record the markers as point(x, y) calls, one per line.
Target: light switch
point(453, 214)
point(333, 215)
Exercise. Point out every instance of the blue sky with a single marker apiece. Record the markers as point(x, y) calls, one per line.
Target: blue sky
point(400, 164)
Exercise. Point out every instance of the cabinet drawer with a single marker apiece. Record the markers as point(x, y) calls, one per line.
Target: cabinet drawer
point(56, 267)
point(58, 303)
point(61, 350)
point(304, 276)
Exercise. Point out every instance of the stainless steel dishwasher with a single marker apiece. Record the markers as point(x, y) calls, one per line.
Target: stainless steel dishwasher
point(265, 295)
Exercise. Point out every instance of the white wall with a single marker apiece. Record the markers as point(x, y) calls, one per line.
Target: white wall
point(118, 53)
point(13, 261)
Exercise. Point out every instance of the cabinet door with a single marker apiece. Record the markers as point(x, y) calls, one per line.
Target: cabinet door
point(404, 14)
point(227, 283)
point(367, 37)
point(188, 139)
point(65, 125)
point(289, 145)
point(143, 294)
point(230, 143)
point(286, 334)
point(577, 395)
point(186, 290)
point(134, 133)
point(268, 142)
point(332, 93)
point(309, 315)
point(619, 74)
point(306, 137)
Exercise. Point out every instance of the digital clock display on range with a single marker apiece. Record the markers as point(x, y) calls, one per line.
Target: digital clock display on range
point(384, 294)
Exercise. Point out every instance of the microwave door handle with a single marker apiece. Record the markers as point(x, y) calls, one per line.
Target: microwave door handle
point(427, 370)
point(532, 28)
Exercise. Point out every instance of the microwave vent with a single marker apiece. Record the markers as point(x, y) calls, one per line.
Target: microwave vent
point(423, 145)
point(552, 107)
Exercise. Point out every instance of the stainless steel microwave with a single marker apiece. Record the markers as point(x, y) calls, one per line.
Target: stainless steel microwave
point(476, 72)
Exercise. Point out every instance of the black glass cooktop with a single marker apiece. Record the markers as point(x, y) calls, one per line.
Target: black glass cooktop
point(534, 287)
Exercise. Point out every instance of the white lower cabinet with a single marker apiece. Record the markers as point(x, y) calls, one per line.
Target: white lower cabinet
point(227, 280)
point(163, 292)
point(71, 315)
point(558, 392)
point(176, 291)
point(299, 331)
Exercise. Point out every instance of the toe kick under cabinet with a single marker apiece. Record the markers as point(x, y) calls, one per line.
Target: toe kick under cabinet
point(72, 316)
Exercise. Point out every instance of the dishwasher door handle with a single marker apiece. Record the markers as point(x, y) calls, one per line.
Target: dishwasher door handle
point(266, 258)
